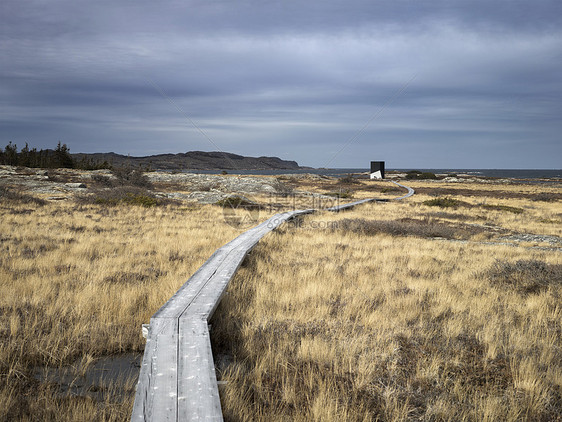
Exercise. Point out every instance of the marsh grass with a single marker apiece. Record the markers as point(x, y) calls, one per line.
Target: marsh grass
point(348, 180)
point(77, 281)
point(15, 196)
point(444, 203)
point(360, 331)
point(390, 189)
point(372, 320)
point(546, 197)
point(495, 190)
point(425, 227)
point(525, 276)
point(323, 322)
point(342, 194)
point(236, 201)
point(514, 210)
point(124, 195)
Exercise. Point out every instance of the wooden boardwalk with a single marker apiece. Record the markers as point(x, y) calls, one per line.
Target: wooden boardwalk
point(344, 207)
point(177, 380)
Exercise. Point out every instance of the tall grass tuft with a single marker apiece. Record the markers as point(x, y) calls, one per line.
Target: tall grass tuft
point(525, 276)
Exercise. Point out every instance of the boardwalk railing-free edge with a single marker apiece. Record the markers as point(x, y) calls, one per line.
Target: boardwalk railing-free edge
point(177, 380)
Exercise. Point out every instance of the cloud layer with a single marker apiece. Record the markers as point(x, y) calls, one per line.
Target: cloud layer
point(432, 84)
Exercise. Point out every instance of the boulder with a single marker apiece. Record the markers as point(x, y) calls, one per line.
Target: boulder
point(75, 185)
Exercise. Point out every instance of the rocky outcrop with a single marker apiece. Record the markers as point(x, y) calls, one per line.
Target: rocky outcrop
point(203, 188)
point(468, 179)
point(533, 238)
point(227, 184)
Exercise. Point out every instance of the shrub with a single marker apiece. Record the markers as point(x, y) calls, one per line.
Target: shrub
point(524, 276)
point(444, 203)
point(140, 199)
point(428, 175)
point(131, 177)
point(513, 210)
point(54, 176)
point(450, 215)
point(208, 187)
point(549, 221)
point(281, 188)
point(418, 175)
point(546, 197)
point(124, 195)
point(90, 164)
point(390, 189)
point(104, 181)
point(7, 195)
point(236, 201)
point(407, 227)
point(342, 195)
point(348, 180)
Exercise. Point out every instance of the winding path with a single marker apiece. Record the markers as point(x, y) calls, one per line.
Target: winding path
point(177, 380)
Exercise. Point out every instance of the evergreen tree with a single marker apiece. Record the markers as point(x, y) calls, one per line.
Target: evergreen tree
point(24, 157)
point(11, 154)
point(34, 158)
point(44, 158)
point(63, 157)
point(48, 158)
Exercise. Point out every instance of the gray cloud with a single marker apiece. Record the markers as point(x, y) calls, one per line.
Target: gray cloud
point(294, 79)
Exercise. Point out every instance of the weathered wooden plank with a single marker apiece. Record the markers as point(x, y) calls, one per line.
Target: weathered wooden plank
point(175, 306)
point(198, 395)
point(156, 396)
point(209, 297)
point(349, 205)
point(410, 191)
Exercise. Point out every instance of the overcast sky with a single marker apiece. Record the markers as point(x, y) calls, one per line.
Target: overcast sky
point(419, 84)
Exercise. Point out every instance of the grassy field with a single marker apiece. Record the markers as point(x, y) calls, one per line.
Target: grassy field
point(392, 311)
point(77, 283)
point(400, 311)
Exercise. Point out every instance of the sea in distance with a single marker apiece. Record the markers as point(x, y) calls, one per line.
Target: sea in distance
point(339, 172)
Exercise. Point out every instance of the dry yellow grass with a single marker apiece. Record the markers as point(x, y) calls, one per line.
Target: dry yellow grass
point(78, 281)
point(327, 324)
point(326, 320)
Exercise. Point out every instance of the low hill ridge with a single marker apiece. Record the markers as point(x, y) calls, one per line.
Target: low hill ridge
point(195, 160)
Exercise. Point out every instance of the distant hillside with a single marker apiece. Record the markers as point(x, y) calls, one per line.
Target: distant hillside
point(193, 160)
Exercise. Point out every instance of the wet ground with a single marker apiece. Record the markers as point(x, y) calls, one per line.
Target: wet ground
point(100, 379)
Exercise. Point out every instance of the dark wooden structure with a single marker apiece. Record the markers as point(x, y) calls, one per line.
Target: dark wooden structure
point(377, 166)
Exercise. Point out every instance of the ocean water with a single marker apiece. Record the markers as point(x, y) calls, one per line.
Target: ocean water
point(502, 173)
point(339, 172)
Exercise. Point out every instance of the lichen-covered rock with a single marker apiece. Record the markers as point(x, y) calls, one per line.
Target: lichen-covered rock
point(535, 238)
point(75, 185)
point(208, 182)
point(310, 176)
point(207, 197)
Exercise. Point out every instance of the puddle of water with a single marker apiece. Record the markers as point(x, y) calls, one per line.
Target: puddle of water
point(107, 377)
